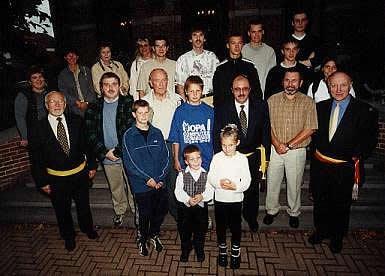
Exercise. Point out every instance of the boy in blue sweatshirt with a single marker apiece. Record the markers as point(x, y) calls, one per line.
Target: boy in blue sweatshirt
point(145, 159)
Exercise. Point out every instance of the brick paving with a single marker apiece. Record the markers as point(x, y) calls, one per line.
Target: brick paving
point(37, 250)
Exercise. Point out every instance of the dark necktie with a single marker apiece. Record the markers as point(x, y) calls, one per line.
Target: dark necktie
point(243, 120)
point(62, 136)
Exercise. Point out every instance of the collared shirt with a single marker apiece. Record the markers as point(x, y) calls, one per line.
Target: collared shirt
point(193, 64)
point(163, 110)
point(245, 108)
point(181, 194)
point(343, 105)
point(54, 122)
point(289, 117)
point(168, 65)
point(134, 75)
point(322, 92)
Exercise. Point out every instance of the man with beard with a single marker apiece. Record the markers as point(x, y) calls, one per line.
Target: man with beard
point(197, 62)
point(293, 120)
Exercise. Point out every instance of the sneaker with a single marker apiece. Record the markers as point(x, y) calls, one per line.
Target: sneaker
point(157, 243)
point(235, 259)
point(222, 257)
point(118, 220)
point(143, 251)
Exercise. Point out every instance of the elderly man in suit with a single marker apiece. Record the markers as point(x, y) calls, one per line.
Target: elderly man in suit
point(347, 133)
point(251, 115)
point(62, 167)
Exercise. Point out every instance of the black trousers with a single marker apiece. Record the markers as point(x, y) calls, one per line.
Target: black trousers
point(152, 208)
point(332, 191)
point(192, 223)
point(63, 190)
point(251, 195)
point(228, 215)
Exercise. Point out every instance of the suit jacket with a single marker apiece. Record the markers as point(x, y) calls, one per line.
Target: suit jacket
point(356, 134)
point(258, 129)
point(46, 152)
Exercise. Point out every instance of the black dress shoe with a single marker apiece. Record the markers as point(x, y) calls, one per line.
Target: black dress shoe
point(335, 245)
point(185, 254)
point(92, 235)
point(254, 227)
point(269, 219)
point(315, 238)
point(200, 256)
point(70, 244)
point(293, 222)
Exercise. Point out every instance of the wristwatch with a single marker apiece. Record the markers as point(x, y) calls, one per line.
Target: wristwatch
point(290, 147)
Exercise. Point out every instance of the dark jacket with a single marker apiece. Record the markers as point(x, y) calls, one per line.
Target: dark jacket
point(46, 152)
point(94, 125)
point(356, 134)
point(258, 131)
point(226, 71)
point(67, 85)
point(145, 159)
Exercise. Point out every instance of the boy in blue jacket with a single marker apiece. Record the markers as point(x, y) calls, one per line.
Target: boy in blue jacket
point(145, 159)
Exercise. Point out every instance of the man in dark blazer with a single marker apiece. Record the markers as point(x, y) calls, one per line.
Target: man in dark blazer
point(347, 133)
point(254, 133)
point(62, 167)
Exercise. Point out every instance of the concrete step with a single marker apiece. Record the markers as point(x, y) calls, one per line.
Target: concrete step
point(26, 205)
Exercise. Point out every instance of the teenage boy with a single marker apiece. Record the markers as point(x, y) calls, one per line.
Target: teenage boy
point(192, 124)
point(192, 194)
point(146, 160)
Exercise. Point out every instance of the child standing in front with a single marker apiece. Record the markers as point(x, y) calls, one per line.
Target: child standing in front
point(145, 158)
point(230, 176)
point(192, 194)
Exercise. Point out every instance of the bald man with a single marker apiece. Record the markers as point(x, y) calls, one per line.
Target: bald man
point(62, 166)
point(347, 132)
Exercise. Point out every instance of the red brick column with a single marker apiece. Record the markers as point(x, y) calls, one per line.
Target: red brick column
point(14, 160)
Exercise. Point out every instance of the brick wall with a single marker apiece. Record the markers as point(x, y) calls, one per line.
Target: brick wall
point(14, 160)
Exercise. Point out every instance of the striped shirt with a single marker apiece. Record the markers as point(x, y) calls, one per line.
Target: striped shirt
point(289, 117)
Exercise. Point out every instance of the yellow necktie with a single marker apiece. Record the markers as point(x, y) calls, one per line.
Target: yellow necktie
point(333, 121)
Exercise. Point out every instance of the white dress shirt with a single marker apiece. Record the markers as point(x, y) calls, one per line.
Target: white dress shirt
point(181, 194)
point(54, 122)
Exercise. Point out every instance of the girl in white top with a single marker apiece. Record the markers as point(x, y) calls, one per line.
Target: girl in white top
point(230, 176)
point(321, 92)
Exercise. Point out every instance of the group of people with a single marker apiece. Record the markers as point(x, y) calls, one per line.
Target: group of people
point(176, 136)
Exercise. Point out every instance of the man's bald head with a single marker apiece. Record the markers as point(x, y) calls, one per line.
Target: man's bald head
point(339, 85)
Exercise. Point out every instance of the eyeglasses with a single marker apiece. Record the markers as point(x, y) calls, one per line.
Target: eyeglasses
point(241, 89)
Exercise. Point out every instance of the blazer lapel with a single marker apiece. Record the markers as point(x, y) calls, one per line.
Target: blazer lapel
point(344, 123)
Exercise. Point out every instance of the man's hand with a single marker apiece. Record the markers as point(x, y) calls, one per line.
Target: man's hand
point(24, 143)
point(91, 174)
point(141, 94)
point(226, 184)
point(281, 148)
point(46, 189)
point(110, 155)
point(177, 165)
point(81, 105)
point(151, 183)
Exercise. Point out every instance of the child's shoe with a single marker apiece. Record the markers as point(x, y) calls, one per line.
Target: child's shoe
point(235, 259)
point(222, 257)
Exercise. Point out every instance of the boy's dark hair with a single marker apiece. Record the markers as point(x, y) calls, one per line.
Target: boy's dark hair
point(230, 130)
point(108, 75)
point(190, 149)
point(193, 80)
point(299, 10)
point(34, 69)
point(232, 34)
point(159, 37)
point(197, 28)
point(255, 21)
point(139, 103)
point(289, 40)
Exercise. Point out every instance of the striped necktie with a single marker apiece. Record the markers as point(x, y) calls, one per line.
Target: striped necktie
point(243, 120)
